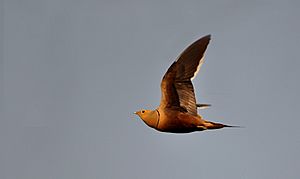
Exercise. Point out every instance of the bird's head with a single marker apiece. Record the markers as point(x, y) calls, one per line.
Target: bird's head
point(150, 117)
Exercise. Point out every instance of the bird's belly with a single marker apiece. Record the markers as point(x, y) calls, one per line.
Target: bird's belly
point(178, 124)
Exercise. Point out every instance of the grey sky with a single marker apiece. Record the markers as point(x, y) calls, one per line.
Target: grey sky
point(73, 73)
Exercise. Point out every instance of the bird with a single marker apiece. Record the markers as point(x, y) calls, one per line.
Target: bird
point(177, 112)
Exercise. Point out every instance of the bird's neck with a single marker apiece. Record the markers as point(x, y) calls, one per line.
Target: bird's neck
point(152, 120)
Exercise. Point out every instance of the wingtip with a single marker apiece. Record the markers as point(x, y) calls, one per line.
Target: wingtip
point(207, 36)
point(203, 106)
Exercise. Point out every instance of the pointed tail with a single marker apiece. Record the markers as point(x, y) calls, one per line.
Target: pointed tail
point(214, 125)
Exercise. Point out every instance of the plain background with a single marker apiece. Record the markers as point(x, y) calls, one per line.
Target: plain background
point(73, 72)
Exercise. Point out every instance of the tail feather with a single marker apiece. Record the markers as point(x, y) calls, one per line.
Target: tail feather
point(214, 125)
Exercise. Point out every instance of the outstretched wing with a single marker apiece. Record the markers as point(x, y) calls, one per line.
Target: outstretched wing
point(176, 86)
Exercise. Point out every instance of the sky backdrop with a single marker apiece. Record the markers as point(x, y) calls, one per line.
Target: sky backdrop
point(72, 73)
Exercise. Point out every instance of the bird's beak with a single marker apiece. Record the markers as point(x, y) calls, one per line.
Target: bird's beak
point(135, 113)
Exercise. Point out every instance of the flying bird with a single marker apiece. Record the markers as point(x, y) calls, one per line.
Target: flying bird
point(177, 112)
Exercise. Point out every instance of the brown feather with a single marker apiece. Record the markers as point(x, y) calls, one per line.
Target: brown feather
point(176, 86)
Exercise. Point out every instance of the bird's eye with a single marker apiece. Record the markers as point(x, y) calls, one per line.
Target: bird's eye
point(143, 111)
